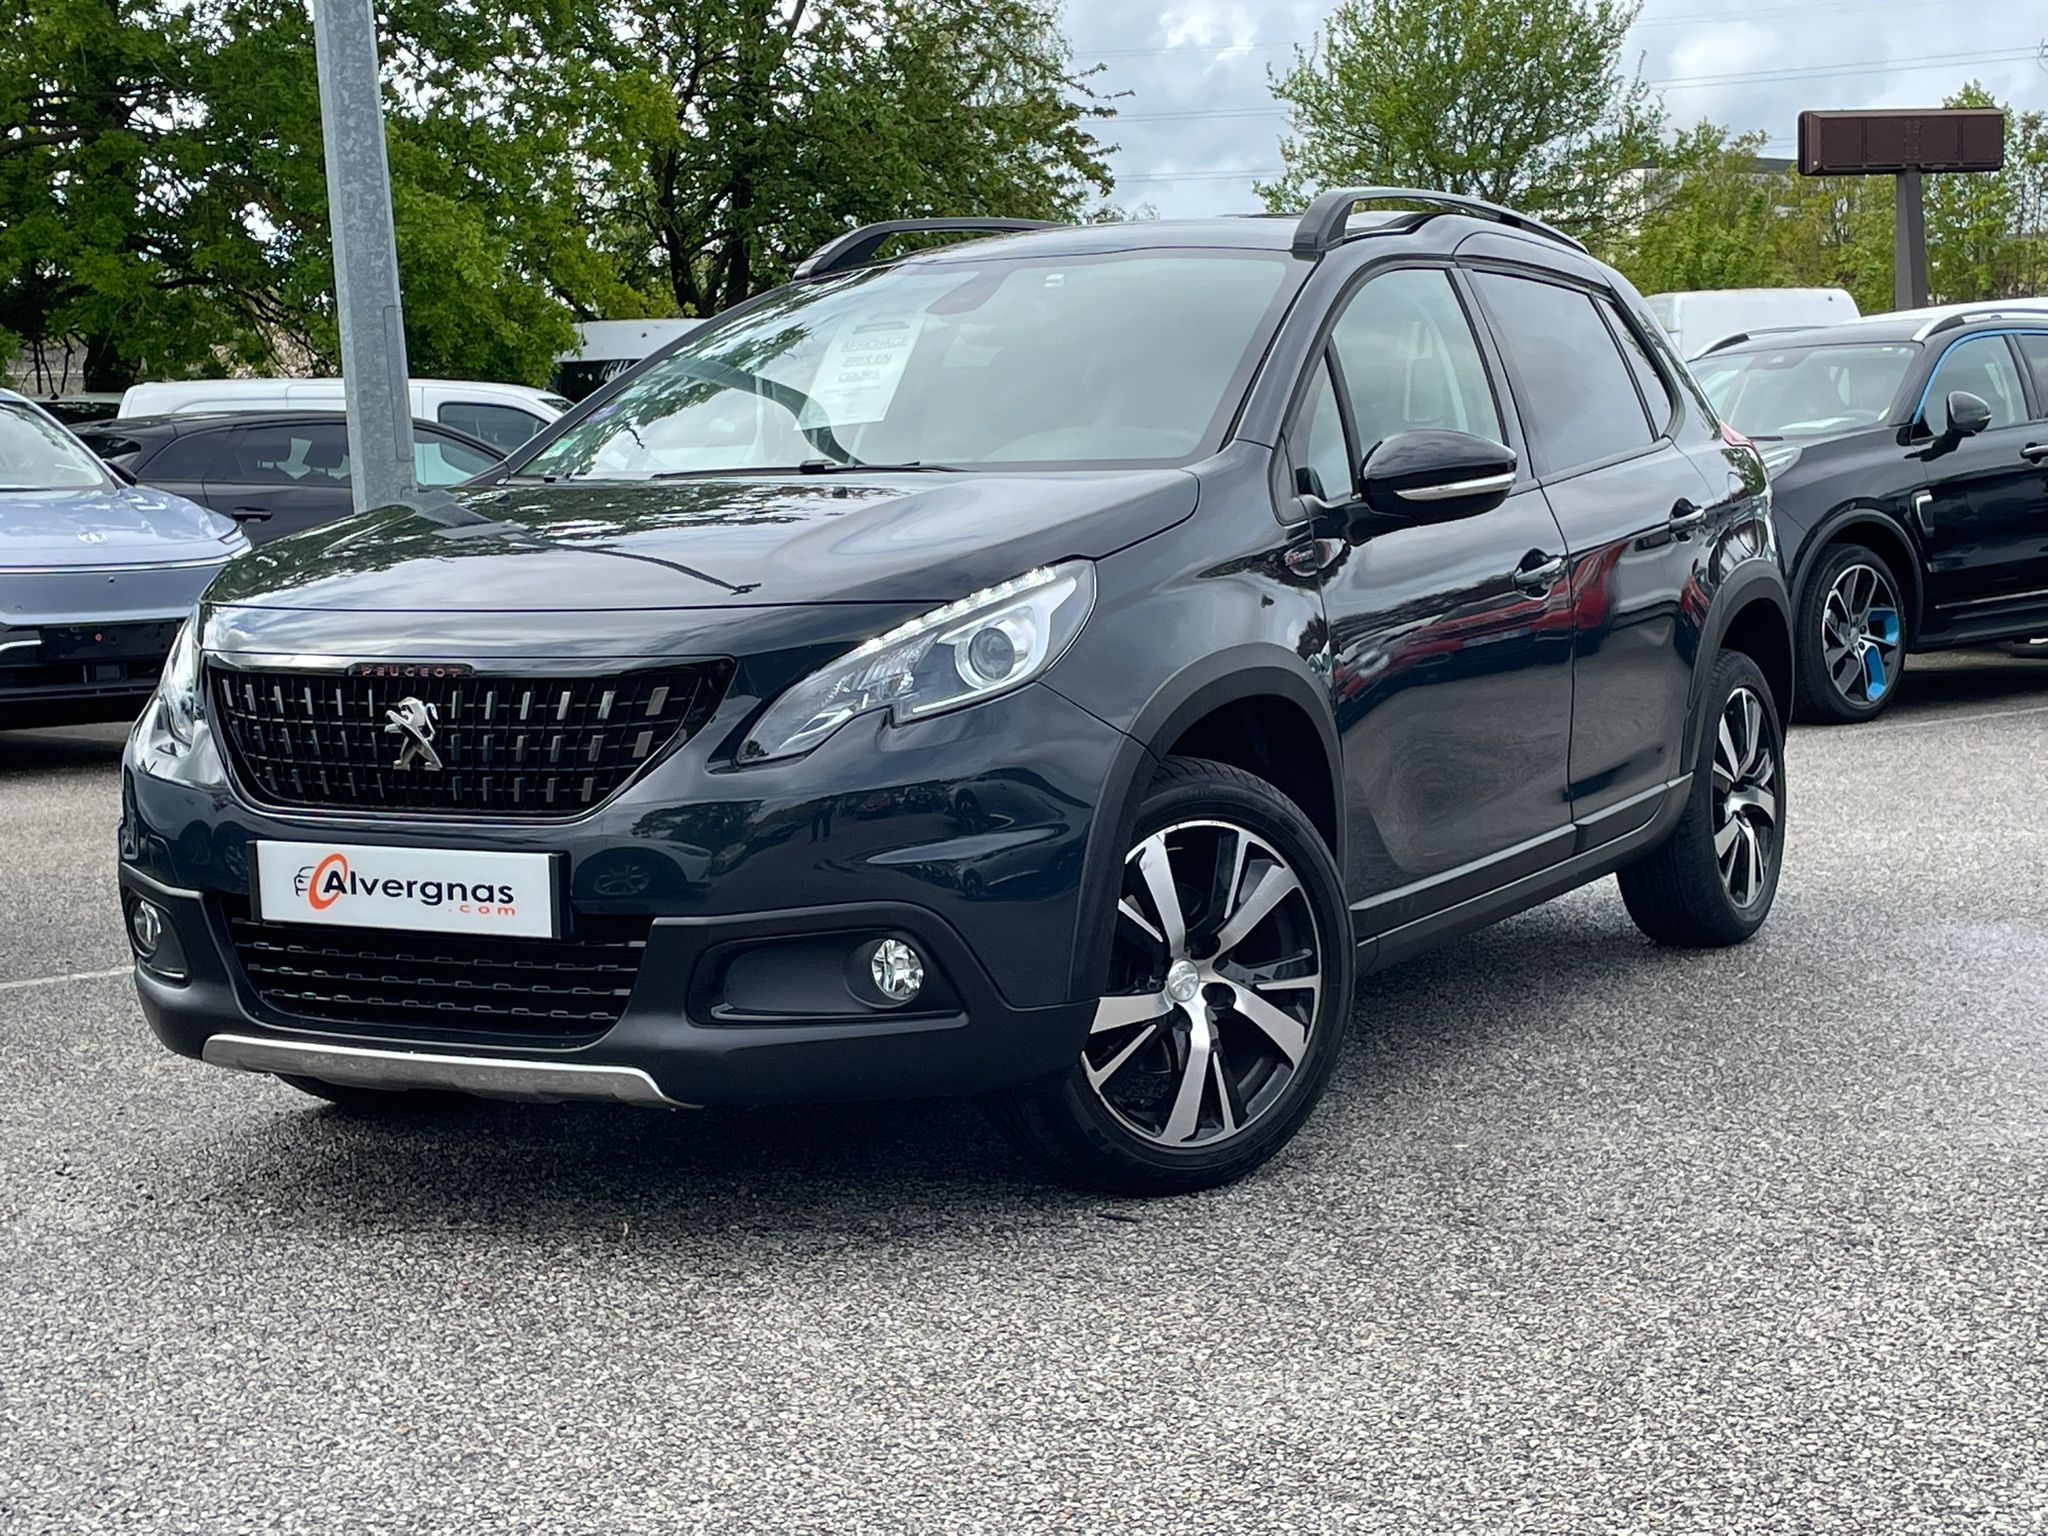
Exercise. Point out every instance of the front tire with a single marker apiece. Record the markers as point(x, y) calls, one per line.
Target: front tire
point(1852, 638)
point(1229, 988)
point(1712, 881)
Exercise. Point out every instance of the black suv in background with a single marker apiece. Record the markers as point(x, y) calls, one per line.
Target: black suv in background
point(1051, 666)
point(275, 472)
point(1909, 471)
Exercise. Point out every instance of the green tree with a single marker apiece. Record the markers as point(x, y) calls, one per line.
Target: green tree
point(1522, 102)
point(724, 142)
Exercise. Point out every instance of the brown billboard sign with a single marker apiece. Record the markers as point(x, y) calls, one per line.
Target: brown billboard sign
point(1884, 143)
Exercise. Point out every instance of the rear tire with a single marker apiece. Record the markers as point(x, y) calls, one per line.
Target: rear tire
point(1712, 881)
point(1851, 641)
point(1225, 1006)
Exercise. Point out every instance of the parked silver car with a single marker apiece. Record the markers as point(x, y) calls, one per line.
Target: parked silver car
point(96, 573)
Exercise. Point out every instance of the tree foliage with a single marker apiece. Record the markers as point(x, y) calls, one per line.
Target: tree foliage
point(1521, 102)
point(163, 205)
point(1711, 217)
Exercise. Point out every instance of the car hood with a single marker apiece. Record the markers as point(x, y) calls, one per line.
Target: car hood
point(723, 543)
point(110, 526)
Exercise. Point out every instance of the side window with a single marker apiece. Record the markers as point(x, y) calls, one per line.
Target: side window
point(1316, 444)
point(195, 456)
point(1982, 366)
point(1409, 360)
point(504, 427)
point(1656, 393)
point(438, 460)
point(2034, 348)
point(296, 455)
point(1576, 392)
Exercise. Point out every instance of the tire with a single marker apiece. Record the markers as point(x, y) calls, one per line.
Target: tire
point(358, 1100)
point(1851, 640)
point(1203, 1062)
point(1698, 889)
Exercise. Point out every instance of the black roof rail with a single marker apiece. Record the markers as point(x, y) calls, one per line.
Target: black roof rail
point(850, 250)
point(1741, 336)
point(1324, 224)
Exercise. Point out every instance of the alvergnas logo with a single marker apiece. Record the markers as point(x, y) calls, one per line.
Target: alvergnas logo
point(330, 879)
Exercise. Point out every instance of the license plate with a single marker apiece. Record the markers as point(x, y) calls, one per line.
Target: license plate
point(436, 890)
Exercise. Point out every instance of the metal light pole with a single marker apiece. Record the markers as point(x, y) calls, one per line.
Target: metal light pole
point(373, 368)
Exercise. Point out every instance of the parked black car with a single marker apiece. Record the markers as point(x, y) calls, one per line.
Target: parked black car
point(1909, 469)
point(274, 472)
point(1050, 667)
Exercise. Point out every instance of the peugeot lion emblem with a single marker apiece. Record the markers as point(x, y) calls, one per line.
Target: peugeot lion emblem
point(414, 720)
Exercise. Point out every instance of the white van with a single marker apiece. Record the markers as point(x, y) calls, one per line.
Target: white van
point(607, 348)
point(503, 415)
point(1707, 317)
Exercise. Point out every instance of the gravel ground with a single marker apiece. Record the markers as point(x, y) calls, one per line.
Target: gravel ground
point(1585, 1237)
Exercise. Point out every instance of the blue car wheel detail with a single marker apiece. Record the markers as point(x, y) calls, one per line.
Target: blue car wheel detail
point(1861, 634)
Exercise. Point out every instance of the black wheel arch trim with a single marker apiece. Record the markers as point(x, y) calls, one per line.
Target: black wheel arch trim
point(1231, 676)
point(1752, 582)
point(1845, 520)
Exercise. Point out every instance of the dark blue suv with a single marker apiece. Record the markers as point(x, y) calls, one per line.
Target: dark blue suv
point(1050, 667)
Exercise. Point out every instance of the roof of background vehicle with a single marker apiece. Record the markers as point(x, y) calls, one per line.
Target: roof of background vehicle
point(1901, 326)
point(184, 423)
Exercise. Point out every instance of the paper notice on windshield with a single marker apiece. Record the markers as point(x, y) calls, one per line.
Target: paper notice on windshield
point(861, 369)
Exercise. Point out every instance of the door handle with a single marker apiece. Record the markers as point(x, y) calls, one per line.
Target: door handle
point(1538, 577)
point(2035, 453)
point(1686, 517)
point(250, 515)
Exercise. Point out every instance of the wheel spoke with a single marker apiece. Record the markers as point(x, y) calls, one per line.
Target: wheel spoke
point(1288, 1034)
point(1097, 1076)
point(1753, 859)
point(1274, 887)
point(1122, 1012)
point(1724, 753)
point(1157, 869)
point(1224, 1105)
point(1724, 839)
point(1756, 799)
point(1129, 908)
point(1186, 1116)
point(1752, 731)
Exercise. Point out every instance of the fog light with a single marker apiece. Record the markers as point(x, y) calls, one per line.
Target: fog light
point(897, 970)
point(146, 928)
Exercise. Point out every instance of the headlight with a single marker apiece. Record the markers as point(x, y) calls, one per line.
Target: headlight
point(178, 689)
point(965, 652)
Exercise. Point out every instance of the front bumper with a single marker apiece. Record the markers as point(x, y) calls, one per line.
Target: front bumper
point(917, 832)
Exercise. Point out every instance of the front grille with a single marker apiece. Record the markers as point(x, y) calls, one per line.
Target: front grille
point(507, 746)
point(434, 984)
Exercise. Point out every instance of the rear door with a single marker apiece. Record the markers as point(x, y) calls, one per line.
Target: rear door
point(1631, 505)
point(1986, 516)
point(283, 476)
point(1450, 642)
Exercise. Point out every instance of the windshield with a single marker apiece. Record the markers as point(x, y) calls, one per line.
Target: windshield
point(38, 455)
point(1034, 364)
point(1805, 391)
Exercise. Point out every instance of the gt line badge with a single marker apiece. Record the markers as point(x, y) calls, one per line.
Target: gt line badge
point(414, 720)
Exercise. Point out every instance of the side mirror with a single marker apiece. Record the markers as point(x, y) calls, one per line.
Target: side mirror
point(1434, 476)
point(1967, 414)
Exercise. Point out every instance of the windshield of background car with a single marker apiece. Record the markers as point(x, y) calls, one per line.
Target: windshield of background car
point(1806, 391)
point(38, 455)
point(1081, 361)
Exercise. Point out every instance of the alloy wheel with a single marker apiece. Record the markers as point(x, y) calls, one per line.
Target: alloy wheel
point(1745, 798)
point(1216, 983)
point(1861, 634)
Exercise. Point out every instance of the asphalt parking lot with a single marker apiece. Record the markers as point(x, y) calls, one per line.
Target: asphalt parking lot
point(1586, 1236)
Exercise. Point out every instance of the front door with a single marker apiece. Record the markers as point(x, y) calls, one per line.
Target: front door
point(1632, 506)
point(282, 476)
point(1985, 511)
point(1451, 643)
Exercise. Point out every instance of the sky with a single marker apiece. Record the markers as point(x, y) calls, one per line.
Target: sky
point(1199, 125)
